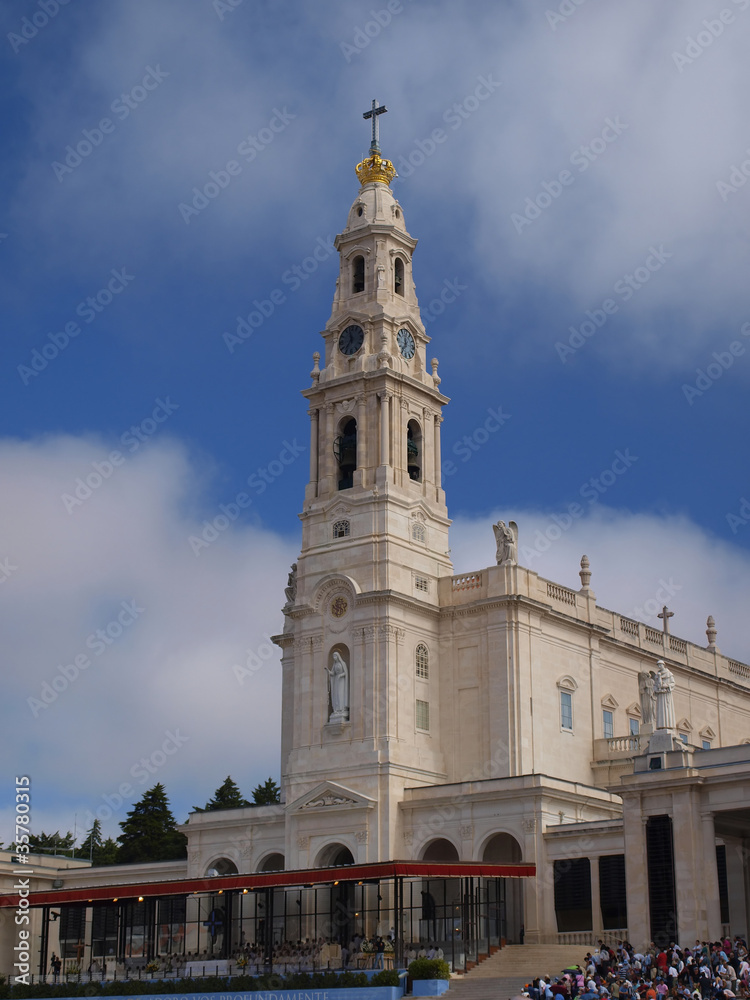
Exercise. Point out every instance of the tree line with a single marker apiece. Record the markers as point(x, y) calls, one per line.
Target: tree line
point(149, 830)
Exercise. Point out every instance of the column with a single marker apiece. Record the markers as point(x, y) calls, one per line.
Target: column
point(360, 473)
point(596, 903)
point(428, 447)
point(329, 473)
point(312, 486)
point(636, 879)
point(438, 461)
point(384, 428)
point(707, 882)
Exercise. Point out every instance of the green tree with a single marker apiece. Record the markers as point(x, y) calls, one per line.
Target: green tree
point(96, 849)
point(267, 793)
point(50, 843)
point(228, 796)
point(149, 831)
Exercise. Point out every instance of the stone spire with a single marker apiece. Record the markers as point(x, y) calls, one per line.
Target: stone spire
point(711, 632)
point(585, 574)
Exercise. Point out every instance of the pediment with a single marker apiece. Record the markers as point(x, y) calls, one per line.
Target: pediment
point(329, 795)
point(634, 710)
point(685, 726)
point(609, 701)
point(707, 733)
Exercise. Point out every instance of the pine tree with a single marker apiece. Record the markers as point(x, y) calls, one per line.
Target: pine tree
point(228, 796)
point(149, 831)
point(267, 793)
point(97, 850)
point(50, 843)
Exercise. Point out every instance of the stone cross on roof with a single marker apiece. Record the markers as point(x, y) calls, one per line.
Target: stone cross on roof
point(666, 615)
point(373, 113)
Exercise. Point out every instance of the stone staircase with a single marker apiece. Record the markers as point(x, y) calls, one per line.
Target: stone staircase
point(503, 974)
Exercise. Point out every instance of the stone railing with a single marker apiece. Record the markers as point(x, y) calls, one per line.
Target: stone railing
point(654, 636)
point(470, 581)
point(593, 937)
point(629, 627)
point(738, 668)
point(677, 645)
point(617, 744)
point(558, 593)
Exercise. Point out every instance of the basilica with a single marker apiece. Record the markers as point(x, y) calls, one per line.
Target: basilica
point(469, 760)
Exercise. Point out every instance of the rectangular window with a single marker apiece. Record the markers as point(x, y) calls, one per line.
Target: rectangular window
point(421, 583)
point(706, 744)
point(635, 727)
point(423, 715)
point(683, 737)
point(566, 710)
point(609, 724)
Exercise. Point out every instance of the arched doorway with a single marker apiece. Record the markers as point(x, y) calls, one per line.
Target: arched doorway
point(272, 863)
point(342, 909)
point(502, 849)
point(441, 898)
point(221, 866)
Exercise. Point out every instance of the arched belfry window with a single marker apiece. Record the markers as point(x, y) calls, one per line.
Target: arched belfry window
point(422, 661)
point(414, 450)
point(358, 274)
point(345, 452)
point(398, 276)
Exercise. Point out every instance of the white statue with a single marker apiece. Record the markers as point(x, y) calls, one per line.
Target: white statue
point(648, 696)
point(506, 537)
point(338, 676)
point(663, 688)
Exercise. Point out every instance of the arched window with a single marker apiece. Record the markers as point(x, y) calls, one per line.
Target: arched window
point(422, 658)
point(417, 531)
point(358, 274)
point(340, 529)
point(414, 450)
point(398, 276)
point(345, 450)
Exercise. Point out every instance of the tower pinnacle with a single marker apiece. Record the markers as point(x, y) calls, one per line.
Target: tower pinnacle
point(375, 168)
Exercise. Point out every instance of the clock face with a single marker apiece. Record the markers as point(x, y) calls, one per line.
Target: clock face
point(351, 339)
point(405, 344)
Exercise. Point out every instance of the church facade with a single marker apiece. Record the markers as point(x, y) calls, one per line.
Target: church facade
point(491, 717)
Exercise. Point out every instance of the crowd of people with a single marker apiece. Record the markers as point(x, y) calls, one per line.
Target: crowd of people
point(707, 971)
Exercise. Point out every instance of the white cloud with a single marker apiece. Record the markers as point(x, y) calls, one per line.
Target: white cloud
point(166, 666)
point(635, 558)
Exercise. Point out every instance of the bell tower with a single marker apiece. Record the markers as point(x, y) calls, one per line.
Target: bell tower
point(364, 597)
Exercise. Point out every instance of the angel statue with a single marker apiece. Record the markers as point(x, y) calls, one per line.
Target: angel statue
point(506, 536)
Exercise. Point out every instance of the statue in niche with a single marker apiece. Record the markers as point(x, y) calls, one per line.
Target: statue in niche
point(646, 682)
point(506, 537)
point(338, 682)
point(291, 585)
point(664, 684)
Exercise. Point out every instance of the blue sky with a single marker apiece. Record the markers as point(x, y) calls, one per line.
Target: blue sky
point(576, 176)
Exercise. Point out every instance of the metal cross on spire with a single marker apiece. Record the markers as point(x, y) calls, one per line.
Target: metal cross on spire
point(373, 113)
point(666, 615)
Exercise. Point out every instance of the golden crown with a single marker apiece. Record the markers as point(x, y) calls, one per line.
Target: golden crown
point(375, 168)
